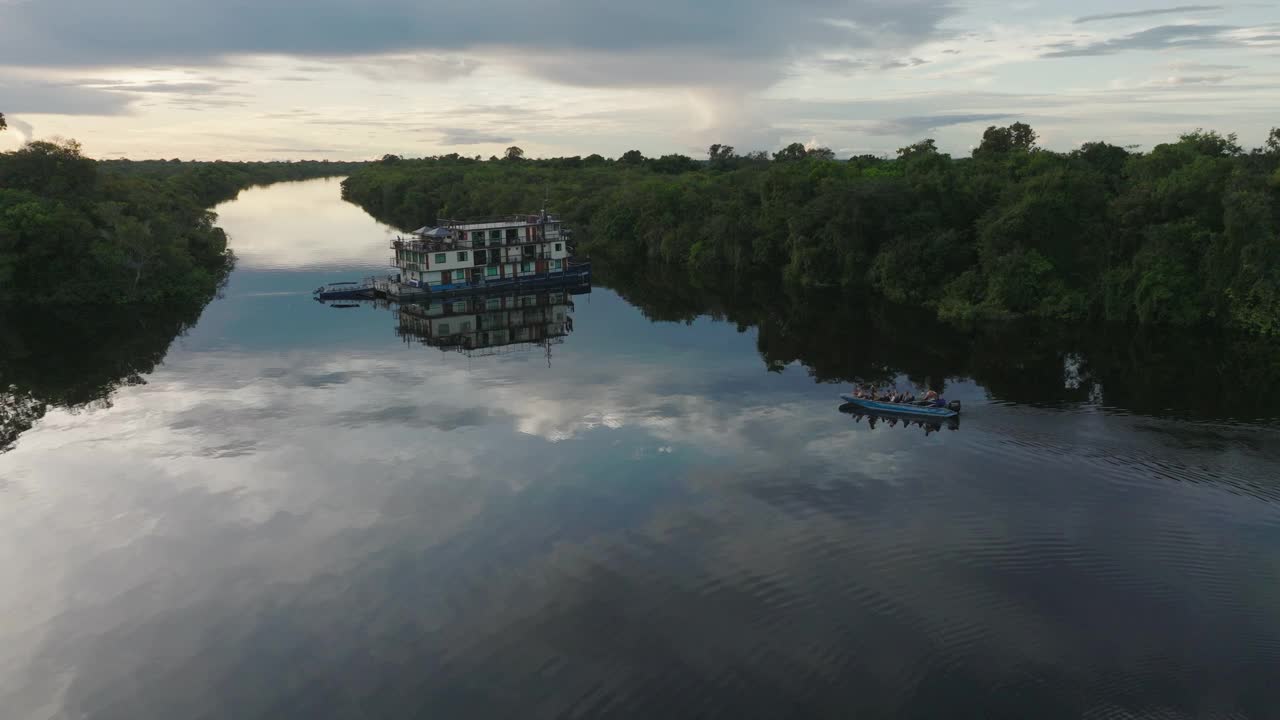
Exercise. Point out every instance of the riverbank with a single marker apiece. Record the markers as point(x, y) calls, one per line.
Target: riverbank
point(75, 231)
point(1184, 235)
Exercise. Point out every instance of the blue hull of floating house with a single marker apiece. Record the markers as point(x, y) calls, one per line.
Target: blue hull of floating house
point(570, 275)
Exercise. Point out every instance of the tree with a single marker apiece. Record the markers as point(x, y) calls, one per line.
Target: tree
point(924, 147)
point(1211, 143)
point(3, 125)
point(1002, 140)
point(1023, 137)
point(631, 157)
point(593, 159)
point(720, 157)
point(862, 162)
point(1272, 144)
point(1107, 159)
point(822, 153)
point(513, 153)
point(673, 164)
point(390, 159)
point(792, 152)
point(49, 169)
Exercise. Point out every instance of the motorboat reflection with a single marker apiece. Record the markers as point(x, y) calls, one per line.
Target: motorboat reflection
point(886, 419)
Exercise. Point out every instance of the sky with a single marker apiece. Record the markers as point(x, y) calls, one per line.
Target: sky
point(339, 79)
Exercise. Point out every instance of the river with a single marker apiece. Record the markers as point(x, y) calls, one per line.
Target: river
point(654, 508)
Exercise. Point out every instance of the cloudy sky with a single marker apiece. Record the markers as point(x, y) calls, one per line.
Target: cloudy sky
point(278, 79)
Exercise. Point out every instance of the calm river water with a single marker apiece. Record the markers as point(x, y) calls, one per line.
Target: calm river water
point(314, 512)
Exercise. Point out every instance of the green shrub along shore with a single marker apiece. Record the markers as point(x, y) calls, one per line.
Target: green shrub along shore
point(74, 230)
point(1182, 235)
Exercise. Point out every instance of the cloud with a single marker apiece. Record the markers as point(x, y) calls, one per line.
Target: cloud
point(1179, 80)
point(854, 65)
point(423, 67)
point(1163, 37)
point(661, 42)
point(185, 88)
point(912, 126)
point(470, 136)
point(24, 95)
point(1149, 13)
point(23, 129)
point(903, 63)
point(843, 66)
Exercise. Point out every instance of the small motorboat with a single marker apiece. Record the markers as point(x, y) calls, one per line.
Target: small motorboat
point(916, 409)
point(344, 290)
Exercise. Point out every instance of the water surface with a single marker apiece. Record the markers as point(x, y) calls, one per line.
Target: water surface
point(297, 511)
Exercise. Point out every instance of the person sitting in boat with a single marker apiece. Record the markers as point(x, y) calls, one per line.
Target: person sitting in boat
point(931, 396)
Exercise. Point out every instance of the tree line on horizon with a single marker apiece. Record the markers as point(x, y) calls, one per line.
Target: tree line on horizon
point(76, 230)
point(1184, 234)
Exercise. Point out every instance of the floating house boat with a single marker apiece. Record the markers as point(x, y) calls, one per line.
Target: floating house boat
point(460, 257)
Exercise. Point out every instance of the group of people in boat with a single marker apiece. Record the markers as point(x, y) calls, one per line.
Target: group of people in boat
point(893, 395)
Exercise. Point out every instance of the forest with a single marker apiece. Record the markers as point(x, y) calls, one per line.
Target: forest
point(76, 230)
point(1184, 234)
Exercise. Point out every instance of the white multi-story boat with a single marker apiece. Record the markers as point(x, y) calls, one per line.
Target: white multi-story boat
point(463, 256)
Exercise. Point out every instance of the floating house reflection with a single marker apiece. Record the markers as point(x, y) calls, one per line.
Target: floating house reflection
point(493, 323)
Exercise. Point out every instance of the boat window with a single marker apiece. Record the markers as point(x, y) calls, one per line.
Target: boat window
point(527, 266)
point(442, 258)
point(443, 328)
point(478, 237)
point(462, 256)
point(495, 234)
point(557, 247)
point(491, 271)
point(459, 306)
point(466, 327)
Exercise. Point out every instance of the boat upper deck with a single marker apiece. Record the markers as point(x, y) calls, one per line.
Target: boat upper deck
point(477, 233)
point(497, 222)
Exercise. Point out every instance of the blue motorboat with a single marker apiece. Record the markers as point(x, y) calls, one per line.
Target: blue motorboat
point(345, 290)
point(904, 409)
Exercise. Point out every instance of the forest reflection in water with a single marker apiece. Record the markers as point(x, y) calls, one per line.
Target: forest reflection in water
point(77, 356)
point(1206, 376)
point(73, 357)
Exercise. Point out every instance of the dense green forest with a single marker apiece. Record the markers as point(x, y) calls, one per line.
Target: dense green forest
point(1184, 234)
point(76, 230)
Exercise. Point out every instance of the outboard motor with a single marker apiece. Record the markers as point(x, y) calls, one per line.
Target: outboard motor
point(954, 405)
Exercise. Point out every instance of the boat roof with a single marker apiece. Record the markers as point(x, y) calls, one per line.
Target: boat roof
point(494, 223)
point(431, 232)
